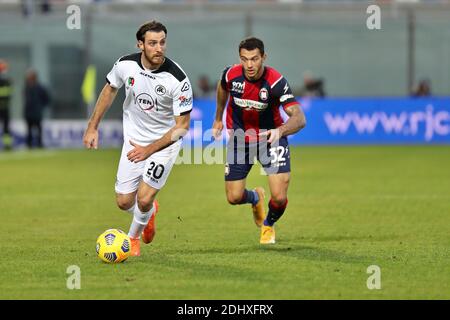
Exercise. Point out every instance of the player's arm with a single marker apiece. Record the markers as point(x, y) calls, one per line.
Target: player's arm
point(296, 121)
point(104, 101)
point(179, 130)
point(221, 101)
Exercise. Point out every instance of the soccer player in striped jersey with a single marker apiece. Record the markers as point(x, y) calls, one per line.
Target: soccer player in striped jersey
point(252, 94)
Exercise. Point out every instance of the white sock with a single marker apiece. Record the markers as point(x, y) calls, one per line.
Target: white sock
point(140, 220)
point(131, 210)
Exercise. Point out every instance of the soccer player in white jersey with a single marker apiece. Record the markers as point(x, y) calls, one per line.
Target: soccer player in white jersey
point(155, 117)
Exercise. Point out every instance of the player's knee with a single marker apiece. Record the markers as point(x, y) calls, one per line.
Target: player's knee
point(124, 204)
point(145, 203)
point(234, 198)
point(279, 200)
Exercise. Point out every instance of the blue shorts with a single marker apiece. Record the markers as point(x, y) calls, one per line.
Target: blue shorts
point(275, 158)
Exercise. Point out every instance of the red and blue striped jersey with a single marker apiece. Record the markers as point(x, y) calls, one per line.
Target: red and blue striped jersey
point(255, 104)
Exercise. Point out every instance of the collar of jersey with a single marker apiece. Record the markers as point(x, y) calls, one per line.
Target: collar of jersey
point(159, 69)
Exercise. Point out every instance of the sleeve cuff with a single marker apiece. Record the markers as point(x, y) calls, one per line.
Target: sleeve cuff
point(287, 105)
point(109, 82)
point(185, 112)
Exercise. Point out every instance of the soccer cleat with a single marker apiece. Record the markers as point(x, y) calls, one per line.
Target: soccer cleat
point(135, 247)
point(150, 229)
point(267, 235)
point(258, 208)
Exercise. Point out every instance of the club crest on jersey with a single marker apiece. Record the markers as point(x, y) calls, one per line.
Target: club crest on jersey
point(160, 90)
point(146, 101)
point(131, 81)
point(263, 94)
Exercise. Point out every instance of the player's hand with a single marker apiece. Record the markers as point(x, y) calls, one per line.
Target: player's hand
point(139, 153)
point(90, 138)
point(272, 135)
point(217, 129)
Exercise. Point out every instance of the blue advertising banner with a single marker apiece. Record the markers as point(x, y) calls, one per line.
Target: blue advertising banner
point(376, 121)
point(337, 121)
point(361, 120)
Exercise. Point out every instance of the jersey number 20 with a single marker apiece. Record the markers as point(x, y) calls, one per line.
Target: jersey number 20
point(155, 170)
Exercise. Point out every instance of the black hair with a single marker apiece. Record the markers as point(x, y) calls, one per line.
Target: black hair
point(153, 26)
point(252, 43)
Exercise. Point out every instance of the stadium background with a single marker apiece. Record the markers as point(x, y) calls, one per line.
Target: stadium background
point(356, 205)
point(330, 39)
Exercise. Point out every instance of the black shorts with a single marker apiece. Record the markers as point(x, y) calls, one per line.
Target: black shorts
point(275, 158)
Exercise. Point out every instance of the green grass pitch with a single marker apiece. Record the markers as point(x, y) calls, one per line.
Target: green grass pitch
point(349, 208)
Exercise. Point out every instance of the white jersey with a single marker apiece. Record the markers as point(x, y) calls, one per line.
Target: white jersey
point(153, 97)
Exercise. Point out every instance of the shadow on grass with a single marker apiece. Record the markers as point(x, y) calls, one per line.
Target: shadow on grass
point(244, 266)
point(311, 253)
point(353, 238)
point(259, 252)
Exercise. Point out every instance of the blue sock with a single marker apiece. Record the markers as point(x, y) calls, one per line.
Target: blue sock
point(267, 223)
point(255, 197)
point(249, 196)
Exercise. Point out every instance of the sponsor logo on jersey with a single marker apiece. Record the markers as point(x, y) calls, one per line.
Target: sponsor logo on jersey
point(238, 87)
point(147, 75)
point(250, 104)
point(283, 98)
point(185, 87)
point(145, 101)
point(160, 90)
point(131, 81)
point(263, 94)
point(184, 102)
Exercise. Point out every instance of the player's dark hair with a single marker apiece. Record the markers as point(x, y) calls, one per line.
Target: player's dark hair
point(252, 43)
point(153, 26)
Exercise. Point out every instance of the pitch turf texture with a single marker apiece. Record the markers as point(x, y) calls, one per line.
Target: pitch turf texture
point(349, 208)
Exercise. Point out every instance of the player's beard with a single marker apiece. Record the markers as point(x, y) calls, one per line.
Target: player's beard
point(155, 60)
